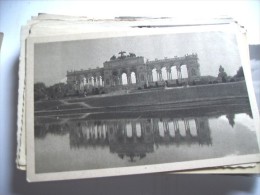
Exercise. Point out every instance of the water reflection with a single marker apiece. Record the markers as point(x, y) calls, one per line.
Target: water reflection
point(102, 140)
point(130, 138)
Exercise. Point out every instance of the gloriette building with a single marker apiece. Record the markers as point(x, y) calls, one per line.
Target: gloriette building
point(133, 72)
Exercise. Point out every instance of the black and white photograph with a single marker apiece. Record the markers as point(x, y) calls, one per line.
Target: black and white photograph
point(126, 102)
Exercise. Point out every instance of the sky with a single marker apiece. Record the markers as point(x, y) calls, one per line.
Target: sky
point(53, 59)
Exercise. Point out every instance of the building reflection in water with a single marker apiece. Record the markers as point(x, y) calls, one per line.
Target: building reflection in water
point(130, 138)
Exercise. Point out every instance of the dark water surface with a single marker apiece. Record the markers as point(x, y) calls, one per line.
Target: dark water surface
point(93, 141)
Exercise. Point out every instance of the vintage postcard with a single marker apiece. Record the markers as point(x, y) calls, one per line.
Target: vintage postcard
point(138, 101)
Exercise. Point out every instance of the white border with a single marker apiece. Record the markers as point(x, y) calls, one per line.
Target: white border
point(32, 176)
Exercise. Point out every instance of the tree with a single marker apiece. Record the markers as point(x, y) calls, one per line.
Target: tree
point(231, 119)
point(222, 75)
point(40, 91)
point(240, 73)
point(58, 90)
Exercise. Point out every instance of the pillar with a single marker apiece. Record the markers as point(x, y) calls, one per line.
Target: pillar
point(101, 81)
point(98, 80)
point(176, 125)
point(178, 68)
point(134, 135)
point(150, 75)
point(160, 75)
point(169, 75)
point(120, 80)
point(129, 78)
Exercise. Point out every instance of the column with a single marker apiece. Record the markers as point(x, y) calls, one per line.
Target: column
point(120, 80)
point(98, 80)
point(187, 127)
point(95, 80)
point(133, 124)
point(158, 75)
point(128, 78)
point(151, 76)
point(91, 81)
point(176, 125)
point(136, 78)
point(78, 84)
point(102, 82)
point(169, 74)
point(178, 68)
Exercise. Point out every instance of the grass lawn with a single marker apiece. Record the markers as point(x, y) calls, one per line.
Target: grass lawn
point(174, 95)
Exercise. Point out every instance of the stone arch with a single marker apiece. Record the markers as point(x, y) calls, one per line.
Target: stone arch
point(171, 129)
point(174, 74)
point(193, 127)
point(182, 128)
point(86, 80)
point(129, 130)
point(184, 71)
point(161, 128)
point(124, 78)
point(133, 77)
point(154, 75)
point(115, 77)
point(92, 78)
point(101, 80)
point(164, 73)
point(138, 130)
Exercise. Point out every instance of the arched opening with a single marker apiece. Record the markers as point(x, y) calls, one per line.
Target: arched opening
point(133, 78)
point(129, 130)
point(164, 74)
point(182, 128)
point(193, 127)
point(138, 130)
point(81, 84)
point(184, 71)
point(85, 131)
point(95, 81)
point(154, 74)
point(174, 73)
point(92, 81)
point(115, 78)
point(84, 81)
point(89, 81)
point(161, 129)
point(104, 130)
point(171, 129)
point(96, 132)
point(124, 79)
point(100, 81)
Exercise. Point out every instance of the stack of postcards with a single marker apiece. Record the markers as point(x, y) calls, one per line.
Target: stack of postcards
point(110, 97)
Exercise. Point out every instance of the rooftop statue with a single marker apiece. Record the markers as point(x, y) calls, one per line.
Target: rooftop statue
point(132, 55)
point(113, 57)
point(122, 55)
